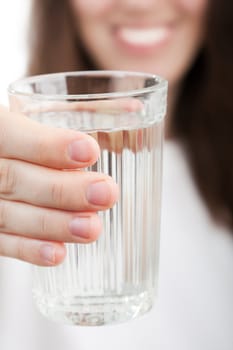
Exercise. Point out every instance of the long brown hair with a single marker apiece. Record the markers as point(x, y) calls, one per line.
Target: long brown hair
point(203, 118)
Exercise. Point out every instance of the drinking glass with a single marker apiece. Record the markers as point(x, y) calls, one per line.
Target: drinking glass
point(115, 278)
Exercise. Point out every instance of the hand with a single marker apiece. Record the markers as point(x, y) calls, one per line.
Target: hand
point(41, 204)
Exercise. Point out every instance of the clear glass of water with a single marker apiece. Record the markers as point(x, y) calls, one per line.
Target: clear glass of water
point(115, 278)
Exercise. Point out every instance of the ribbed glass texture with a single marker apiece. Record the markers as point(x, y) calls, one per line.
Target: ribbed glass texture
point(115, 278)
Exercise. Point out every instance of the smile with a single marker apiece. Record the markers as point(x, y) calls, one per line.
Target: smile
point(143, 38)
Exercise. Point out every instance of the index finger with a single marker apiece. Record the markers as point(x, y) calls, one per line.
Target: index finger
point(27, 140)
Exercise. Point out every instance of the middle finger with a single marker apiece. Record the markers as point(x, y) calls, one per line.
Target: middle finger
point(66, 190)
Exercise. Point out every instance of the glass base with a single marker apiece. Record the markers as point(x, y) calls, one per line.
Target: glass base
point(94, 311)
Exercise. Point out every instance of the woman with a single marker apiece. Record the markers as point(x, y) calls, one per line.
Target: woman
point(189, 43)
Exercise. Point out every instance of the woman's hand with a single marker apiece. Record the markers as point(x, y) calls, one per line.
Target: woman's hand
point(41, 204)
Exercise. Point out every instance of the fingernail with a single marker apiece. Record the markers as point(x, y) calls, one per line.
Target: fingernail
point(80, 227)
point(81, 150)
point(99, 193)
point(47, 253)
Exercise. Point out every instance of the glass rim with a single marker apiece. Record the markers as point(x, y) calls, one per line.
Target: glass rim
point(159, 84)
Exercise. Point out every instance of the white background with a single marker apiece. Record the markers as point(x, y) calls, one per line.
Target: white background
point(13, 42)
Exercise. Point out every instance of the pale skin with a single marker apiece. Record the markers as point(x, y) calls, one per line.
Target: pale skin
point(43, 206)
point(39, 209)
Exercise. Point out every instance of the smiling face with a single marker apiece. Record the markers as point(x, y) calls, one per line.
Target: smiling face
point(155, 36)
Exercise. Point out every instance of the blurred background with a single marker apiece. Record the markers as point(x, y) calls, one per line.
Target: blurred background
point(13, 52)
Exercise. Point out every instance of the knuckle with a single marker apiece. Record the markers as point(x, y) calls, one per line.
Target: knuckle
point(3, 215)
point(41, 150)
point(43, 224)
point(58, 194)
point(7, 177)
point(21, 251)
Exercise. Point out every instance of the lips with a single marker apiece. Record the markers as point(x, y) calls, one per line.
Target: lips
point(142, 39)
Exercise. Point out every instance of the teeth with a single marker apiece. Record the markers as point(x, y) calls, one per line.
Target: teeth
point(143, 36)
